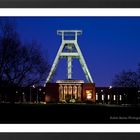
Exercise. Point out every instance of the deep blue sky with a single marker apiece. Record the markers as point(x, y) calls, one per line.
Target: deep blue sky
point(109, 44)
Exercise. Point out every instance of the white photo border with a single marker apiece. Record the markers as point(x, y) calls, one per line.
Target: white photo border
point(69, 12)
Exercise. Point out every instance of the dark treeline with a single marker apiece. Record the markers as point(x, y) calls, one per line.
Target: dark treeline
point(21, 64)
point(127, 78)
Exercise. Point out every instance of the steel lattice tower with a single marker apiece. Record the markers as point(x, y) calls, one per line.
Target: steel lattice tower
point(69, 49)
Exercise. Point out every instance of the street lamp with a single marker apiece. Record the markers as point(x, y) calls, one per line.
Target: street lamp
point(37, 95)
point(110, 87)
point(102, 95)
point(39, 90)
point(23, 96)
point(30, 94)
point(17, 96)
point(33, 86)
point(109, 96)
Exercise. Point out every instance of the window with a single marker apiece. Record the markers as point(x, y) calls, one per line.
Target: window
point(96, 96)
point(79, 91)
point(89, 94)
point(65, 89)
point(70, 90)
point(108, 97)
point(74, 89)
point(61, 89)
point(114, 97)
point(120, 97)
point(61, 92)
point(102, 97)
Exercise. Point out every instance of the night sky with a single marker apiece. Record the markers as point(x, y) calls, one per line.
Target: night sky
point(108, 44)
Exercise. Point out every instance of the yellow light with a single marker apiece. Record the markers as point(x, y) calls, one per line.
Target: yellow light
point(102, 97)
point(96, 96)
point(89, 94)
point(114, 97)
point(120, 97)
point(108, 97)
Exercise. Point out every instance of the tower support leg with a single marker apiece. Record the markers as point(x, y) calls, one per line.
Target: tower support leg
point(69, 67)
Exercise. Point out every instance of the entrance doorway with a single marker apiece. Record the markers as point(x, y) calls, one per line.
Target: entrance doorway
point(70, 92)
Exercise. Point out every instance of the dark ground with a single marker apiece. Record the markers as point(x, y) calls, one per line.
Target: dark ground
point(68, 113)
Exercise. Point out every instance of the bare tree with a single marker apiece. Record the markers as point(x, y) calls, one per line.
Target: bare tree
point(20, 64)
point(9, 43)
point(138, 72)
point(126, 79)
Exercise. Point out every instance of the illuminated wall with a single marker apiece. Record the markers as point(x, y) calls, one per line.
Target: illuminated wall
point(68, 91)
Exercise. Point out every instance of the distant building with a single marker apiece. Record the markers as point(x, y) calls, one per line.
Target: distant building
point(69, 90)
point(117, 95)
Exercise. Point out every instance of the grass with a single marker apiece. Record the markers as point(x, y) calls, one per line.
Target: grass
point(68, 113)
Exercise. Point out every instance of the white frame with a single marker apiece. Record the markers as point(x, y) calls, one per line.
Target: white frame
point(70, 127)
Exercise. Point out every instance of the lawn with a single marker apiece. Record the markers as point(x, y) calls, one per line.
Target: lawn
point(68, 113)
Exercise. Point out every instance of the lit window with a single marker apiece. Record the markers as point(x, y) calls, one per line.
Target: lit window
point(102, 97)
point(114, 97)
point(74, 89)
point(120, 97)
point(89, 94)
point(70, 90)
point(96, 96)
point(65, 89)
point(108, 97)
point(79, 91)
point(61, 91)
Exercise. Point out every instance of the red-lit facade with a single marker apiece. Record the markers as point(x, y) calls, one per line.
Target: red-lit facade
point(66, 90)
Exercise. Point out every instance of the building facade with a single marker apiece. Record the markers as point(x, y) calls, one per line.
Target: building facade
point(67, 90)
point(83, 92)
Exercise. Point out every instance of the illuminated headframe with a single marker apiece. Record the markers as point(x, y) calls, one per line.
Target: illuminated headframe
point(69, 49)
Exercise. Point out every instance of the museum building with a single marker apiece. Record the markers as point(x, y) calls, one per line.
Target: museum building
point(67, 90)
